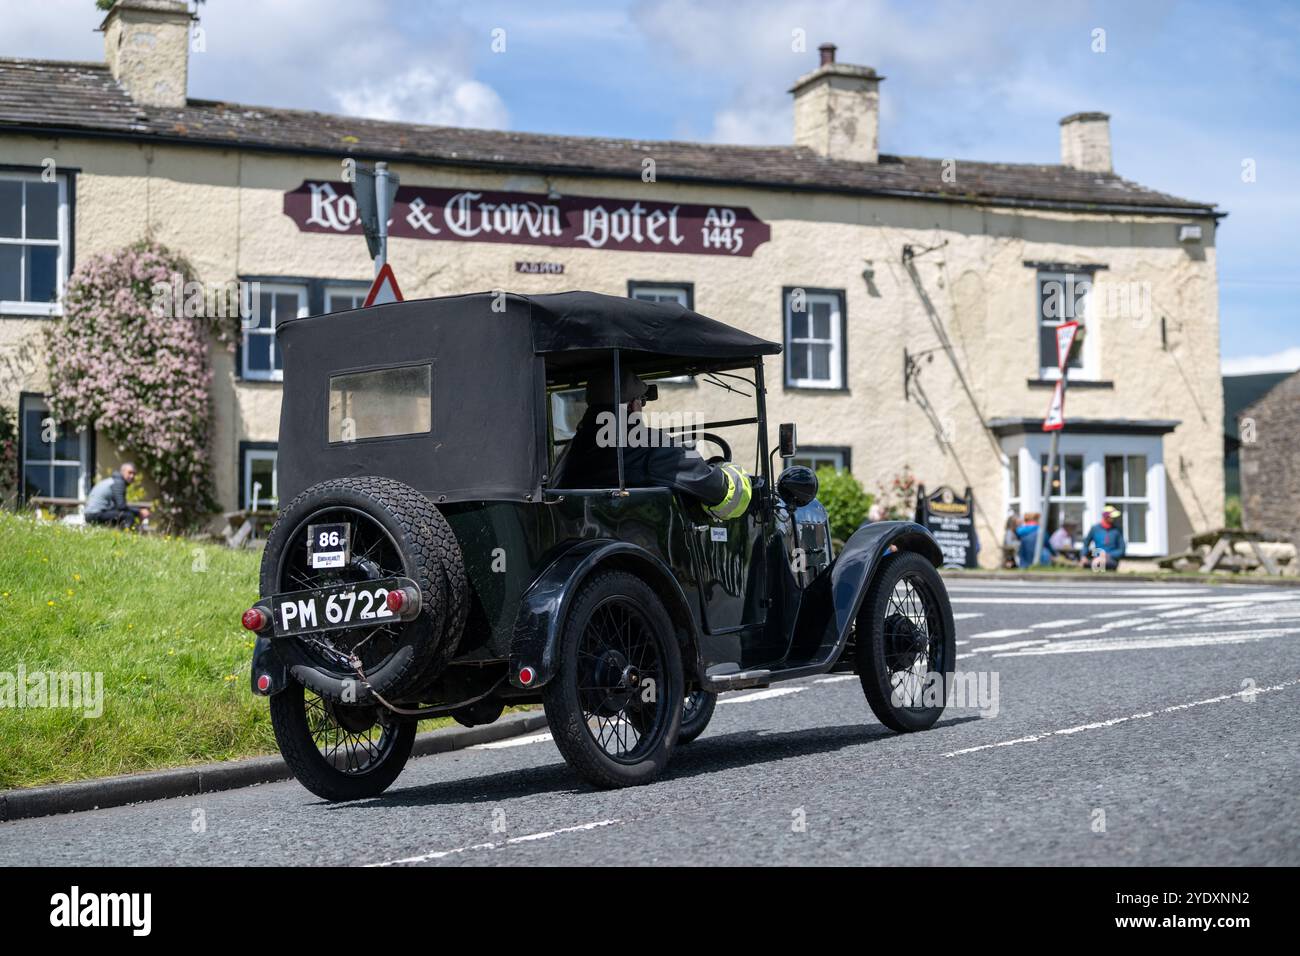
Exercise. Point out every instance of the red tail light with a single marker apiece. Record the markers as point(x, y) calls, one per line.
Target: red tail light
point(396, 600)
point(527, 675)
point(255, 619)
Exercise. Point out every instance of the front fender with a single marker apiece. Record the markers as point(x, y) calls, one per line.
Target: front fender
point(545, 605)
point(858, 561)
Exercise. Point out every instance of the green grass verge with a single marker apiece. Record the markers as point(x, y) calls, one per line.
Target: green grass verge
point(159, 619)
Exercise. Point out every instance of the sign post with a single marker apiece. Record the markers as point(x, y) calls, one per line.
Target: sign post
point(375, 190)
point(1066, 334)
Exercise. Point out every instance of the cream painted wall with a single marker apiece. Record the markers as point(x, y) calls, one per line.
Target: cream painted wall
point(223, 211)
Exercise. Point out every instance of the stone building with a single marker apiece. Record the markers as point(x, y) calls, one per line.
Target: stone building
point(1270, 461)
point(916, 298)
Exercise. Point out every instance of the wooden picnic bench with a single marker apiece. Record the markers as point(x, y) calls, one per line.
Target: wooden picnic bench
point(1222, 551)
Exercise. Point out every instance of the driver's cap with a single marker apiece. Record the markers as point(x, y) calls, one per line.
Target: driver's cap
point(600, 389)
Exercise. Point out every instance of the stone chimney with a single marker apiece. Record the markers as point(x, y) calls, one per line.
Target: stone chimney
point(147, 46)
point(837, 109)
point(1085, 142)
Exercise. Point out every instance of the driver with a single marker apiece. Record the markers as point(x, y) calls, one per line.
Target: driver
point(658, 460)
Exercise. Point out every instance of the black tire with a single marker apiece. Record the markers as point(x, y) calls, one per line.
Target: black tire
point(413, 540)
point(696, 714)
point(905, 624)
point(332, 748)
point(617, 635)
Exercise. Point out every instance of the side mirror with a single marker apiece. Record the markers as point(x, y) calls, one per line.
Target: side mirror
point(787, 441)
point(797, 485)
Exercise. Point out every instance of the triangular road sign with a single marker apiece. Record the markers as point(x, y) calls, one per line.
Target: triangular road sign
point(1055, 420)
point(384, 289)
point(1065, 333)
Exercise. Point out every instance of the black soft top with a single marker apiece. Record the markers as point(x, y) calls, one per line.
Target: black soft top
point(491, 356)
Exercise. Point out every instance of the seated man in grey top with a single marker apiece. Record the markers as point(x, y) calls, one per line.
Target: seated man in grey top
point(106, 503)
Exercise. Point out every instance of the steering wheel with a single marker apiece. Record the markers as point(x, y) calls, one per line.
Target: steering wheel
point(721, 443)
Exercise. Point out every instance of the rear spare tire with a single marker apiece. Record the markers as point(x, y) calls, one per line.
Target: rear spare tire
point(395, 532)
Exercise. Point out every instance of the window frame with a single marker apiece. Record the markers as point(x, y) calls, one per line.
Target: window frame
point(840, 453)
point(86, 461)
point(281, 287)
point(249, 452)
point(1126, 500)
point(688, 289)
point(64, 178)
point(1095, 447)
point(838, 341)
point(1089, 351)
point(333, 287)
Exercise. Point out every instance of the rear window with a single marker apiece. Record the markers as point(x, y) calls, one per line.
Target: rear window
point(381, 403)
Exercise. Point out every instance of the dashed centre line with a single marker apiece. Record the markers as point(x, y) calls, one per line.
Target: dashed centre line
point(1115, 721)
point(531, 837)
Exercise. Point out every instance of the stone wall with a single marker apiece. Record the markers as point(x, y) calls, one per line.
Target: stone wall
point(1270, 462)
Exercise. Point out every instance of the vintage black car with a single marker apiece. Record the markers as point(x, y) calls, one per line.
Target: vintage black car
point(432, 560)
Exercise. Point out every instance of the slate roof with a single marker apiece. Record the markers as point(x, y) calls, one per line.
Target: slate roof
point(45, 97)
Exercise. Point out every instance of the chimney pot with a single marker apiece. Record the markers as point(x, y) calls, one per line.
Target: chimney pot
point(1085, 142)
point(837, 109)
point(147, 46)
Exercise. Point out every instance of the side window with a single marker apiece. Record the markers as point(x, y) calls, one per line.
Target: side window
point(34, 254)
point(814, 338)
point(55, 459)
point(260, 359)
point(1062, 297)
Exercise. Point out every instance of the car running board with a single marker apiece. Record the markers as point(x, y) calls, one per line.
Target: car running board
point(737, 680)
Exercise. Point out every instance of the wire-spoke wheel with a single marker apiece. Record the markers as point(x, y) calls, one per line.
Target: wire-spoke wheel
point(696, 714)
point(339, 751)
point(615, 703)
point(393, 531)
point(906, 643)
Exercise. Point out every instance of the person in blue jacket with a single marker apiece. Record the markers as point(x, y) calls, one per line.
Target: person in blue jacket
point(1104, 538)
point(1028, 535)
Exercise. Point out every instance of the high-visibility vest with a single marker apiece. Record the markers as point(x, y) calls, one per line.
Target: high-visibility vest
point(739, 491)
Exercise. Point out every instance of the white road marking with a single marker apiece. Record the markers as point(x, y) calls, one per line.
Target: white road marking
point(1008, 632)
point(1093, 601)
point(962, 643)
point(1098, 725)
point(544, 835)
point(1184, 612)
point(1154, 643)
point(1004, 647)
point(512, 742)
point(1068, 622)
point(835, 679)
point(967, 616)
point(761, 695)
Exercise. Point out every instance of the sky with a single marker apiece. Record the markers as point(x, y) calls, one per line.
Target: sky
point(1198, 93)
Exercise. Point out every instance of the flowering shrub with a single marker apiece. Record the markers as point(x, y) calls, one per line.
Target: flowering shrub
point(139, 375)
point(8, 456)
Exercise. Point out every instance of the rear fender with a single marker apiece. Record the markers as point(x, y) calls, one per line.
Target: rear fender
point(545, 605)
point(266, 662)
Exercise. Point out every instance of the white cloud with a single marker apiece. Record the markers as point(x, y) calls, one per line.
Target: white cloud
point(1287, 360)
point(422, 94)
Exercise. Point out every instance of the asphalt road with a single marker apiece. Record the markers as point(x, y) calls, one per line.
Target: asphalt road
point(1121, 723)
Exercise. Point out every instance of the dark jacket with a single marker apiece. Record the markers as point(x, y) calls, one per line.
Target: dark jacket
point(588, 464)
